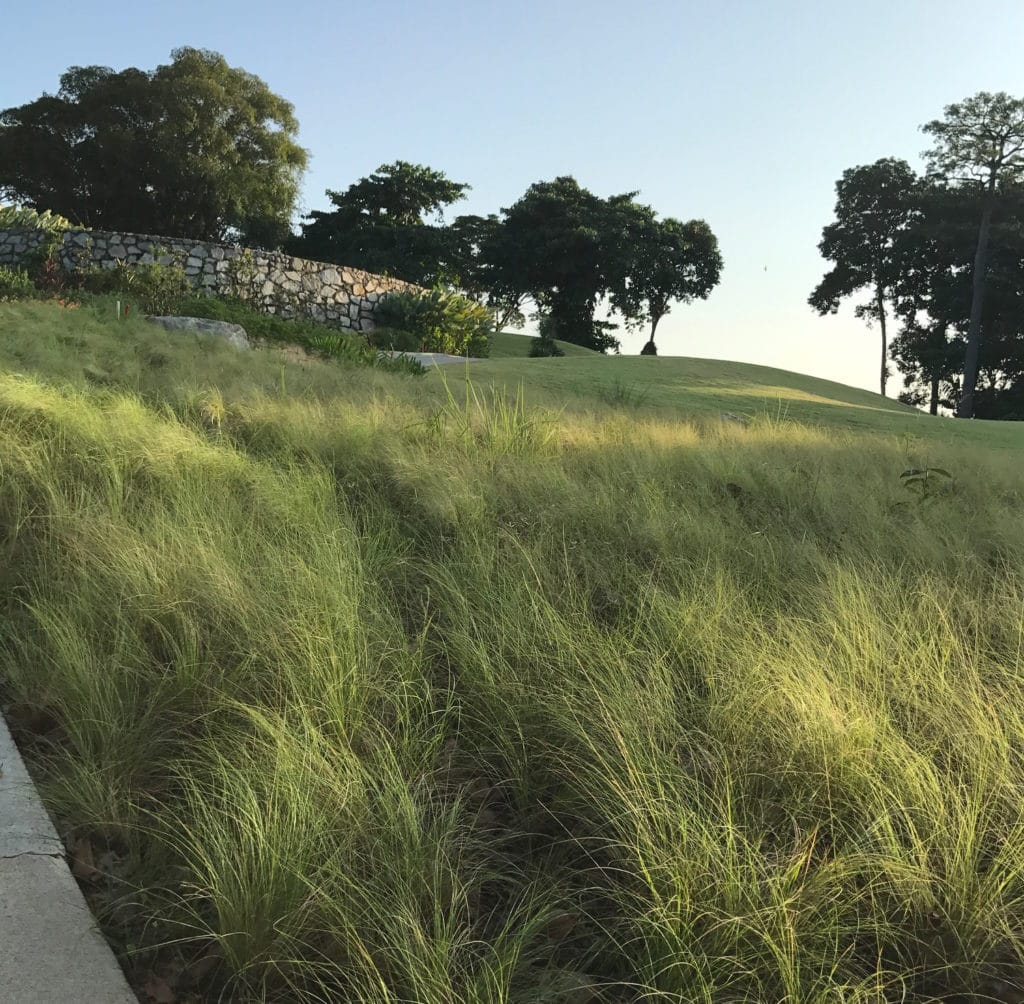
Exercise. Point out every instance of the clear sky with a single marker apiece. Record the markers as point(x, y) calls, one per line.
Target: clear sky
point(742, 112)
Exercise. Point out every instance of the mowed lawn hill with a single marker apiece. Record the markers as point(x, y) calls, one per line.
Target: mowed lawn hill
point(522, 681)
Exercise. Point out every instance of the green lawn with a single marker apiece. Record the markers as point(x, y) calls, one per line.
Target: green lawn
point(350, 686)
point(664, 387)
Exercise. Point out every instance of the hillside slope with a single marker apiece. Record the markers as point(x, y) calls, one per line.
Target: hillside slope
point(348, 686)
point(667, 386)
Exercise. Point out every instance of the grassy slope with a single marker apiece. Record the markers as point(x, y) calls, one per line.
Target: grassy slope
point(667, 387)
point(372, 696)
point(509, 345)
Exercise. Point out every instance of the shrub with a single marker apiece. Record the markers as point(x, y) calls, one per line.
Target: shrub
point(22, 218)
point(15, 284)
point(440, 321)
point(545, 345)
point(332, 343)
point(40, 264)
point(393, 338)
point(337, 345)
point(154, 288)
point(542, 347)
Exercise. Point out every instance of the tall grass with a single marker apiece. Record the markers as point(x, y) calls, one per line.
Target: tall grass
point(348, 692)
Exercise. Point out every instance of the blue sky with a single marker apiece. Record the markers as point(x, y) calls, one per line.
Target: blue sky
point(743, 113)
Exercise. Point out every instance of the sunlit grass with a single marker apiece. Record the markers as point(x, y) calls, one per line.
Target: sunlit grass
point(376, 689)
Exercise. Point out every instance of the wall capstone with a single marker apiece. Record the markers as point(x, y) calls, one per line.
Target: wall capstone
point(272, 282)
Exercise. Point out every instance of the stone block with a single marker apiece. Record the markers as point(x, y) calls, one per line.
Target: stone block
point(233, 334)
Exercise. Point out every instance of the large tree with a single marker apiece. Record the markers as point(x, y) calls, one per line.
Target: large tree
point(559, 245)
point(929, 297)
point(933, 298)
point(195, 148)
point(468, 266)
point(666, 260)
point(875, 204)
point(978, 144)
point(388, 222)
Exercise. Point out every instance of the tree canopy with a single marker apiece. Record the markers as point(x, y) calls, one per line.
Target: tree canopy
point(875, 205)
point(195, 148)
point(553, 246)
point(979, 144)
point(934, 300)
point(388, 222)
point(469, 264)
point(666, 260)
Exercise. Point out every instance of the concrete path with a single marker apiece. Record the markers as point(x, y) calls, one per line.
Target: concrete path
point(50, 949)
point(429, 358)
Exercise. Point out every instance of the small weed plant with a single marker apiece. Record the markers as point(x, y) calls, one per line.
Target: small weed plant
point(16, 284)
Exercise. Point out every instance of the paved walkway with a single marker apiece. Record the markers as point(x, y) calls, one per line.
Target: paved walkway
point(429, 358)
point(50, 949)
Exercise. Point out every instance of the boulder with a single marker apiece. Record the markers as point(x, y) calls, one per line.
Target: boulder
point(233, 334)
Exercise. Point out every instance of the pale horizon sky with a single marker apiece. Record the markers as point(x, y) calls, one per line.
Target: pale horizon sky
point(742, 113)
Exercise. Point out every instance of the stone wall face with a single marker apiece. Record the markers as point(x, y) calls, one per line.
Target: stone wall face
point(274, 283)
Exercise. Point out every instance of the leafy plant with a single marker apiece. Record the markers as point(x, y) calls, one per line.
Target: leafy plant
point(23, 218)
point(400, 364)
point(155, 288)
point(16, 284)
point(440, 320)
point(47, 271)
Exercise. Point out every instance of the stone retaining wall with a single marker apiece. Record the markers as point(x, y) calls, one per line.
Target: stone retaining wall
point(274, 283)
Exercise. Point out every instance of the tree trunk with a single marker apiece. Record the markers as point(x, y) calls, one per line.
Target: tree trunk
point(966, 406)
point(650, 349)
point(880, 302)
point(933, 404)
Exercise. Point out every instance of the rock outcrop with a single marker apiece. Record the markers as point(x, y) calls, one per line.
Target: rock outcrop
point(233, 334)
